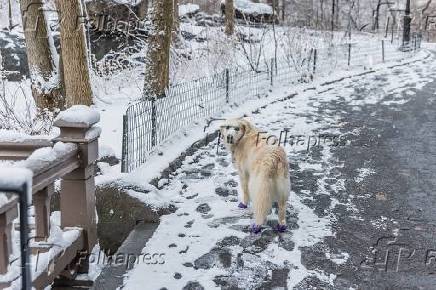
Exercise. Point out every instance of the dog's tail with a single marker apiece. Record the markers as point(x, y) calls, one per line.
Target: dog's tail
point(262, 188)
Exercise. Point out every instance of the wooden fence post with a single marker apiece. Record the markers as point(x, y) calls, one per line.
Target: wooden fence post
point(41, 201)
point(77, 197)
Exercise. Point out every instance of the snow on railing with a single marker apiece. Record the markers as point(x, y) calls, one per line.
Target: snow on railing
point(56, 241)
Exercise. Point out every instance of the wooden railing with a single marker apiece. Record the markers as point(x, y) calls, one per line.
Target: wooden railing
point(71, 160)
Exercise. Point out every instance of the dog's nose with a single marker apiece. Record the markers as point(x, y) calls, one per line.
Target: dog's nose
point(229, 139)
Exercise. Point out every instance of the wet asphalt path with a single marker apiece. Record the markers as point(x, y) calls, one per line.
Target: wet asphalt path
point(361, 215)
point(392, 244)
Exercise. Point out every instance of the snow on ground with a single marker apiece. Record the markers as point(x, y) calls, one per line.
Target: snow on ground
point(207, 227)
point(363, 173)
point(250, 8)
point(188, 8)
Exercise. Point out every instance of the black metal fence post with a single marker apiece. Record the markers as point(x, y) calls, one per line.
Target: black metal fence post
point(26, 281)
point(124, 151)
point(227, 85)
point(272, 72)
point(22, 191)
point(309, 62)
point(383, 50)
point(414, 43)
point(315, 56)
point(153, 122)
point(392, 33)
point(349, 54)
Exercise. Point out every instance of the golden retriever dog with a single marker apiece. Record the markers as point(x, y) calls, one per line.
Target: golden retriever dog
point(263, 170)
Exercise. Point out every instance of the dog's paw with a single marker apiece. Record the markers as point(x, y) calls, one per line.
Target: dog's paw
point(242, 205)
point(281, 228)
point(255, 229)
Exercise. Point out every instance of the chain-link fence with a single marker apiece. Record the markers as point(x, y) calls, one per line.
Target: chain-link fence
point(148, 123)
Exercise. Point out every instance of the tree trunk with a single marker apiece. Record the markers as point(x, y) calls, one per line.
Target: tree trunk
point(421, 19)
point(41, 62)
point(322, 12)
point(74, 53)
point(376, 16)
point(407, 21)
point(333, 15)
point(176, 22)
point(11, 24)
point(310, 14)
point(142, 9)
point(230, 17)
point(274, 6)
point(158, 51)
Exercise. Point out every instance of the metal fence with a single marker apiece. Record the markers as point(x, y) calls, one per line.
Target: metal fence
point(148, 123)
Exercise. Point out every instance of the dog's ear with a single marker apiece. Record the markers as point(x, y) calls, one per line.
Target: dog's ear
point(246, 126)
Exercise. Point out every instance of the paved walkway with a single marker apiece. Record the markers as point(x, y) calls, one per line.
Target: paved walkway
point(361, 213)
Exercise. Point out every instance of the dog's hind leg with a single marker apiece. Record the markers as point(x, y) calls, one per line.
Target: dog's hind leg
point(283, 193)
point(282, 211)
point(262, 189)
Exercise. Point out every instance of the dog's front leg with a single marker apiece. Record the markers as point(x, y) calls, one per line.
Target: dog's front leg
point(245, 193)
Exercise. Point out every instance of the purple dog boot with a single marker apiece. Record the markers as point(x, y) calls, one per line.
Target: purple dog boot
point(255, 229)
point(281, 228)
point(242, 205)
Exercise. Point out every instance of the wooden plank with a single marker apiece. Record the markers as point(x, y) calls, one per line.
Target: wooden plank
point(14, 155)
point(54, 171)
point(60, 262)
point(12, 202)
point(21, 149)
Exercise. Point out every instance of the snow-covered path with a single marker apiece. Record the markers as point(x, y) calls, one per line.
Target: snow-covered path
point(205, 243)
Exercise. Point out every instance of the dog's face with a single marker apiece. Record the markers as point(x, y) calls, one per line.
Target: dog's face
point(232, 131)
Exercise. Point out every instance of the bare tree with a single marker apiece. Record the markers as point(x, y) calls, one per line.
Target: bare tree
point(422, 12)
point(351, 4)
point(74, 53)
point(376, 15)
point(230, 17)
point(253, 47)
point(40, 55)
point(158, 49)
